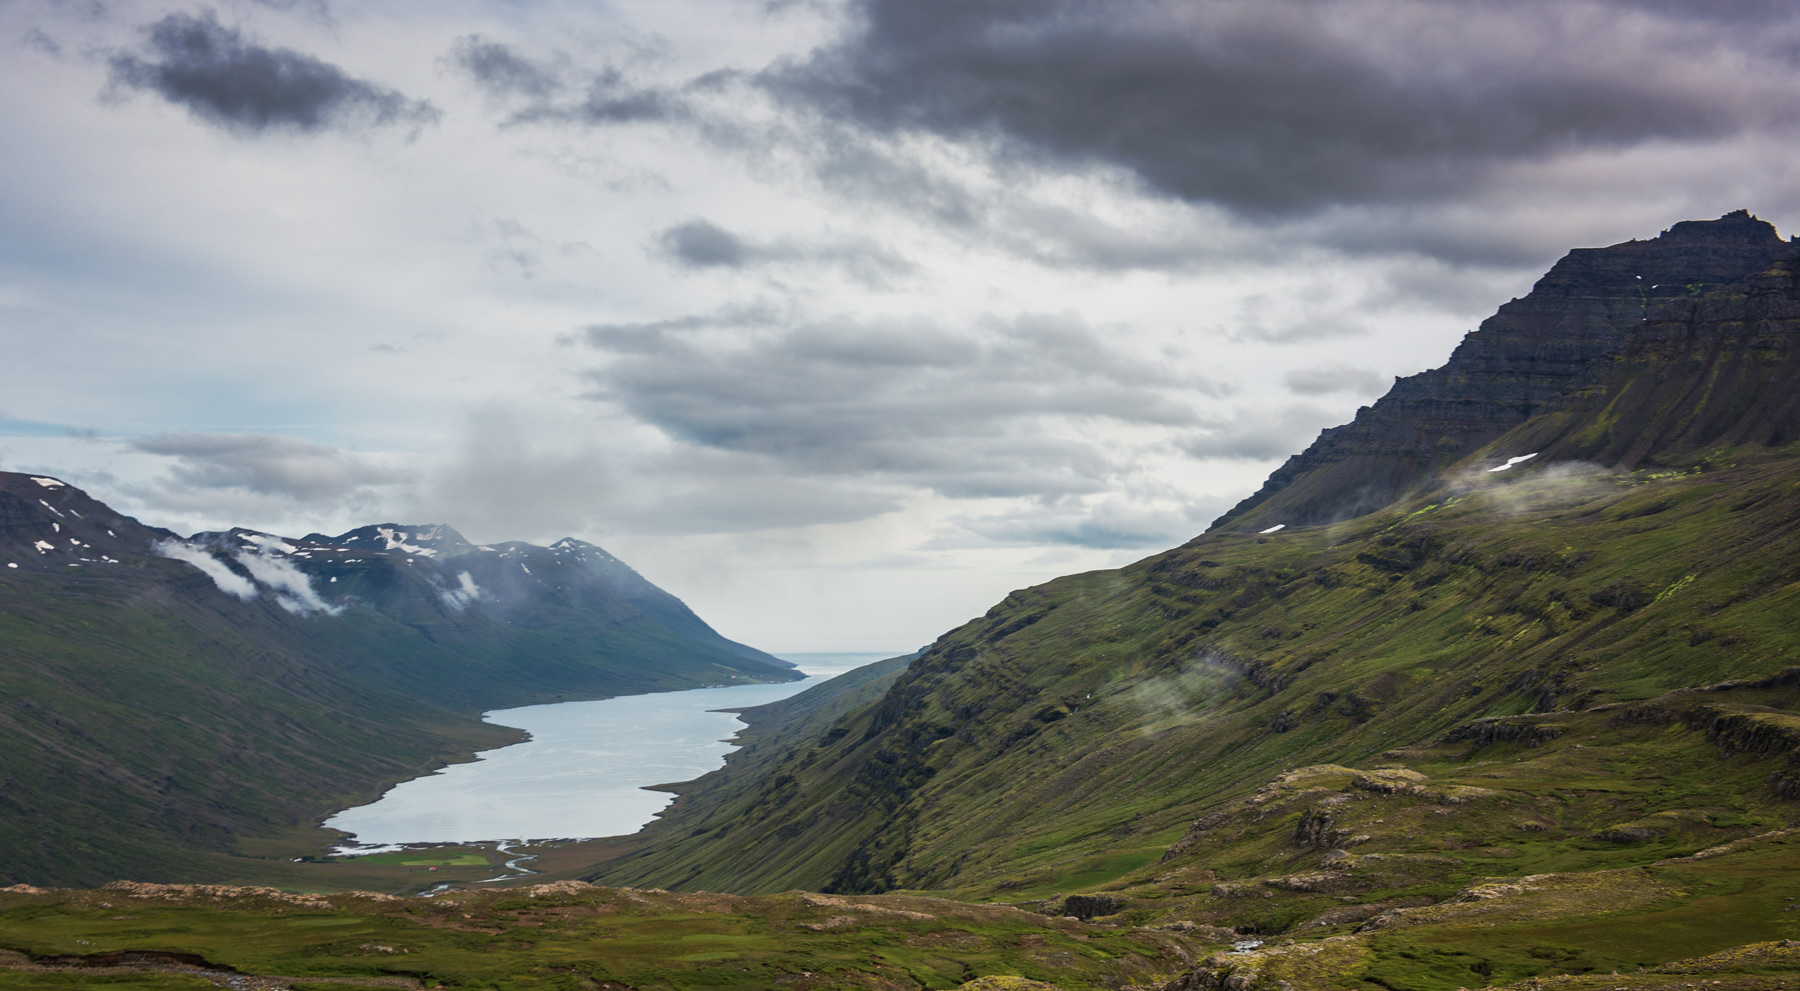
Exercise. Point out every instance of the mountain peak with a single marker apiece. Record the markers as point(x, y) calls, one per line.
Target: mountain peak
point(1739, 227)
point(1515, 365)
point(421, 539)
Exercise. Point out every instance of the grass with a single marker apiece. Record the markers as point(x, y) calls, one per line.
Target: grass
point(561, 937)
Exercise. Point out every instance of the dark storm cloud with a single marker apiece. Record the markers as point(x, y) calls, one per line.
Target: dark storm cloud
point(274, 466)
point(227, 80)
point(963, 413)
point(1290, 106)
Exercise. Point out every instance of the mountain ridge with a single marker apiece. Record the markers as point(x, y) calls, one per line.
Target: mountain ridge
point(1507, 370)
point(169, 697)
point(1065, 743)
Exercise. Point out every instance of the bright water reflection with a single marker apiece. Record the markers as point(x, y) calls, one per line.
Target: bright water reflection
point(583, 771)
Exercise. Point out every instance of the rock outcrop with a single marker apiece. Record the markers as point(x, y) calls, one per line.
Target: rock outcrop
point(1517, 364)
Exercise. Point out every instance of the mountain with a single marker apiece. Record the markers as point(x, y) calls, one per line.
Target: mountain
point(169, 700)
point(1520, 360)
point(1526, 702)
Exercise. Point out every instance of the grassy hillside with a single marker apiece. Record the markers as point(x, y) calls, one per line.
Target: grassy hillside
point(1070, 735)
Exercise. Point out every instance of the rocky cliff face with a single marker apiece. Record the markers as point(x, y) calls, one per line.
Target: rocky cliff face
point(1515, 365)
point(1702, 377)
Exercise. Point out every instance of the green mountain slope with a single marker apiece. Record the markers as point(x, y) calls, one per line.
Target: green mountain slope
point(1069, 738)
point(152, 719)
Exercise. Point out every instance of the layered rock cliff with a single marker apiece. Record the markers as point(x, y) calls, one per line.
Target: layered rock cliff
point(1702, 377)
point(1517, 364)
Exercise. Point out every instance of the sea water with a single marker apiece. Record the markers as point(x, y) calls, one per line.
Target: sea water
point(583, 772)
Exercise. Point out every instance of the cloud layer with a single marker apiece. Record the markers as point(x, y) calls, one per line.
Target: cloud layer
point(285, 467)
point(1279, 107)
point(966, 413)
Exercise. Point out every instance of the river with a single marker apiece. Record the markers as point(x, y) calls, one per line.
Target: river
point(582, 773)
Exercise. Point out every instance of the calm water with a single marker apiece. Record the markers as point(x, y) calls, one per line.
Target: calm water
point(583, 771)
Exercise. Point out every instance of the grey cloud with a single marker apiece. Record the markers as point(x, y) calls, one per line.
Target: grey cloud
point(519, 477)
point(317, 10)
point(552, 90)
point(1110, 524)
point(1299, 331)
point(1307, 313)
point(964, 413)
point(1257, 435)
point(36, 40)
point(225, 79)
point(510, 479)
point(1285, 107)
point(503, 72)
point(285, 467)
point(702, 244)
point(653, 336)
point(1323, 380)
point(738, 495)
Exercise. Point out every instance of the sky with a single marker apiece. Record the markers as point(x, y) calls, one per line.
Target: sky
point(838, 319)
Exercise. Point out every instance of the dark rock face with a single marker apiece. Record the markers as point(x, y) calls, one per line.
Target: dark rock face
point(1517, 364)
point(1712, 373)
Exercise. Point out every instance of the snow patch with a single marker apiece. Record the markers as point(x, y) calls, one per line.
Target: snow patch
point(466, 592)
point(43, 545)
point(398, 543)
point(292, 588)
point(11, 565)
point(48, 483)
point(1274, 528)
point(229, 581)
point(51, 508)
point(1513, 461)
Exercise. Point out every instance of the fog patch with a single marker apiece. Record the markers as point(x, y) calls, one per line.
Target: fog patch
point(291, 587)
point(463, 594)
point(1544, 487)
point(1184, 696)
point(228, 581)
